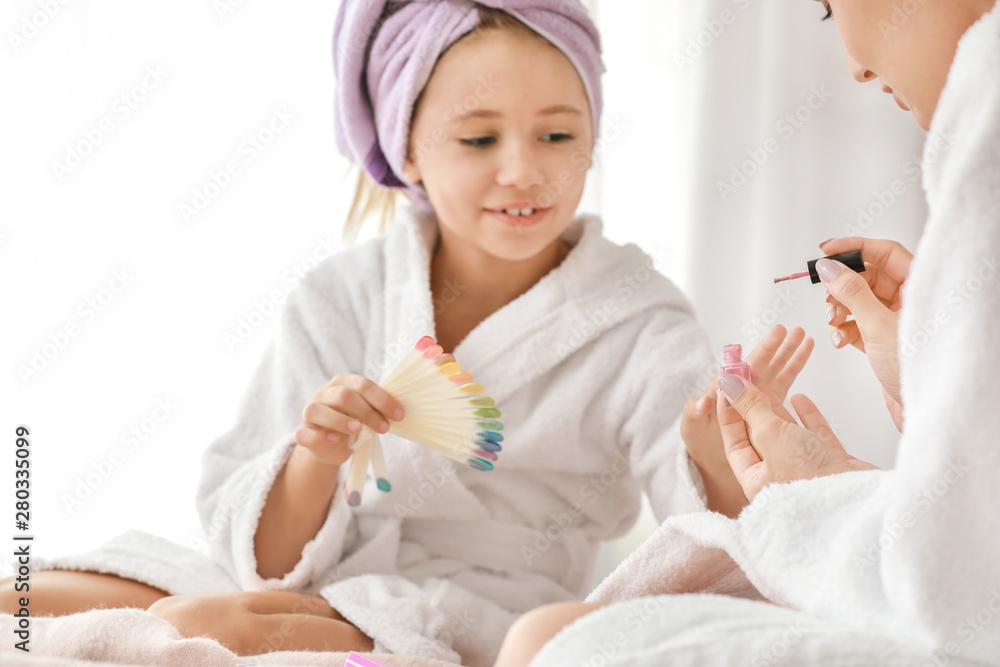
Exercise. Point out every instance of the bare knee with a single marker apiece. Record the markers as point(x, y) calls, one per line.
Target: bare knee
point(534, 629)
point(192, 614)
point(10, 597)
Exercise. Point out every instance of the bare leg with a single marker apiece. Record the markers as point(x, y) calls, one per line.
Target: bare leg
point(255, 623)
point(62, 592)
point(533, 630)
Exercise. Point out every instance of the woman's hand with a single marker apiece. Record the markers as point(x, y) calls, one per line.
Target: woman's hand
point(775, 362)
point(873, 299)
point(764, 445)
point(337, 412)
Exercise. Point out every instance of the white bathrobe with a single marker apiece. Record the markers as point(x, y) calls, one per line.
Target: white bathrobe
point(590, 368)
point(878, 567)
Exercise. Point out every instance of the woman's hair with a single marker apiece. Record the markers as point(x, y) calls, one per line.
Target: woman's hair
point(371, 199)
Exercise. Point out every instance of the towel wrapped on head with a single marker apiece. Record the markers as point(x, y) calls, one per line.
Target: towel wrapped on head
point(385, 51)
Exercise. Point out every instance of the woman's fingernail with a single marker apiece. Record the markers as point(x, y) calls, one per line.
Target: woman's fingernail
point(383, 426)
point(333, 437)
point(731, 386)
point(725, 401)
point(831, 313)
point(836, 338)
point(823, 243)
point(353, 426)
point(397, 415)
point(828, 269)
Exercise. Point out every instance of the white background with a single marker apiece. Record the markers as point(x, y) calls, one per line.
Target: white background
point(224, 73)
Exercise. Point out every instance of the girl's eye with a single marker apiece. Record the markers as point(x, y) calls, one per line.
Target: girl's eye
point(558, 138)
point(478, 142)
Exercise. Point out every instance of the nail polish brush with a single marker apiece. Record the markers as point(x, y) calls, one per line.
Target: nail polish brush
point(851, 260)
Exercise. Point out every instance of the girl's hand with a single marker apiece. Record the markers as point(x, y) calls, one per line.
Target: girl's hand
point(779, 450)
point(336, 413)
point(873, 299)
point(775, 362)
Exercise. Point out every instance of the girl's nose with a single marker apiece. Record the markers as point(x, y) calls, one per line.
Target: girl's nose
point(861, 74)
point(519, 167)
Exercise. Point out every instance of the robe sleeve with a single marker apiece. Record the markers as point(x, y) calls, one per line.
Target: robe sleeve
point(318, 337)
point(671, 363)
point(915, 550)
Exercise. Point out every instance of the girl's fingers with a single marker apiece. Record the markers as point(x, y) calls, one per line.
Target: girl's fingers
point(315, 440)
point(813, 419)
point(341, 412)
point(796, 363)
point(347, 409)
point(763, 352)
point(788, 348)
point(378, 398)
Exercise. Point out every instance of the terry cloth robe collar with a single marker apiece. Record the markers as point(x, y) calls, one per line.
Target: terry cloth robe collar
point(568, 307)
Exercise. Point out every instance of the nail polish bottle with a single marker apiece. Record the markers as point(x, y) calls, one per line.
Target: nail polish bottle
point(734, 364)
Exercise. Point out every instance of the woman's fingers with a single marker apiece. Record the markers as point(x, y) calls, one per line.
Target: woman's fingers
point(889, 256)
point(847, 334)
point(751, 404)
point(762, 354)
point(740, 451)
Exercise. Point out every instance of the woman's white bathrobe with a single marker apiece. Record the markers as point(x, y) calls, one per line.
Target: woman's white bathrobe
point(897, 567)
point(590, 368)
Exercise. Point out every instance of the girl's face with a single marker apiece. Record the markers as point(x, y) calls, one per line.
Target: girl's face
point(909, 46)
point(504, 124)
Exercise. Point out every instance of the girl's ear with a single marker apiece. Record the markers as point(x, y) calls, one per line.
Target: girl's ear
point(411, 171)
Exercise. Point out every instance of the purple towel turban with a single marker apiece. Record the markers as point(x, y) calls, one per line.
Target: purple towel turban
point(385, 50)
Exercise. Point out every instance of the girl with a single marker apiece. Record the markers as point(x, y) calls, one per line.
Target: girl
point(487, 119)
point(873, 567)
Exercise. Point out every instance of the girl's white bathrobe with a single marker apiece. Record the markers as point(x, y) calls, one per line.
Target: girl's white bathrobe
point(896, 567)
point(590, 368)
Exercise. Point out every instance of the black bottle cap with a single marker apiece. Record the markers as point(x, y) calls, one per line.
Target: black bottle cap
point(851, 260)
